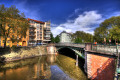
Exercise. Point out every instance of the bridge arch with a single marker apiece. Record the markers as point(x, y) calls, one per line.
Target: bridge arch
point(76, 51)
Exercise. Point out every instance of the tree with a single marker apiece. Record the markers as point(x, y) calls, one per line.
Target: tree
point(52, 38)
point(114, 33)
point(78, 40)
point(86, 37)
point(57, 39)
point(12, 23)
point(106, 29)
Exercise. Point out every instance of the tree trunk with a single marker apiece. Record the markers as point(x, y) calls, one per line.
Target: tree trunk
point(5, 42)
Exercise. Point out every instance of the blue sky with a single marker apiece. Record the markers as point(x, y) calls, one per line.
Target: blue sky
point(69, 15)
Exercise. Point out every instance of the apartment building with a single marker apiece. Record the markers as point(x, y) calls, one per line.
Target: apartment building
point(39, 32)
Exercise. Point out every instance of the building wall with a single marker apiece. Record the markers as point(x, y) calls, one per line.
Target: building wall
point(65, 38)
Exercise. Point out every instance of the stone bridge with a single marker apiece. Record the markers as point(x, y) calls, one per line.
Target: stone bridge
point(100, 60)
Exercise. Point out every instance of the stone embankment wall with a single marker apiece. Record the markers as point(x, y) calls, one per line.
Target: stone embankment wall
point(25, 53)
point(51, 49)
point(100, 67)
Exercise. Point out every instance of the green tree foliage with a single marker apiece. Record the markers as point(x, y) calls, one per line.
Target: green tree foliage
point(109, 29)
point(10, 16)
point(78, 40)
point(114, 33)
point(52, 38)
point(82, 37)
point(57, 39)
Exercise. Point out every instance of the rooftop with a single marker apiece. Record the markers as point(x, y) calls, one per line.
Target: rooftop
point(36, 21)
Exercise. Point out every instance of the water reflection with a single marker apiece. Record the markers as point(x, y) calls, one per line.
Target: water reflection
point(49, 67)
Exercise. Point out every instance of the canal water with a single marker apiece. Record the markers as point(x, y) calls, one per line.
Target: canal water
point(50, 67)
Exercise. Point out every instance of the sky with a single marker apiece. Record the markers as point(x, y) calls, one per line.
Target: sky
point(68, 15)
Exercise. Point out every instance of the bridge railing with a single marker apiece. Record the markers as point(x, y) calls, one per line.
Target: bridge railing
point(105, 48)
point(70, 44)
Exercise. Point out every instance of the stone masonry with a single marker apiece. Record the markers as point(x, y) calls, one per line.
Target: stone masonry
point(100, 67)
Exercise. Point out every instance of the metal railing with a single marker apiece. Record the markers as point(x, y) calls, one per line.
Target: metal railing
point(105, 48)
point(70, 44)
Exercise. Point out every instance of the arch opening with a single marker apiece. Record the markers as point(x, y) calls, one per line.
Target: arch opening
point(67, 52)
point(70, 53)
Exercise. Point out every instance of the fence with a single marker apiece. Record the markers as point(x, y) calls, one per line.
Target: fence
point(109, 49)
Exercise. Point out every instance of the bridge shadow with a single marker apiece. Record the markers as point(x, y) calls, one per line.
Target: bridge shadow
point(70, 53)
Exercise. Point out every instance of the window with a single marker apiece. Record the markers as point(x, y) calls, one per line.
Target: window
point(38, 28)
point(38, 25)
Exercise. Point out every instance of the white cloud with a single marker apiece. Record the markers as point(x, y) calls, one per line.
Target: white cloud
point(84, 22)
point(76, 11)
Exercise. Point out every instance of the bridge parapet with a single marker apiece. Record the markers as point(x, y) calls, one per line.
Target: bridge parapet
point(103, 49)
point(71, 45)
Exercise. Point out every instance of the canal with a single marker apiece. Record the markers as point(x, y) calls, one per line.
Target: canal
point(50, 67)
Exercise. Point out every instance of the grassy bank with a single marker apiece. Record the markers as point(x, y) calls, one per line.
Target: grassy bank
point(22, 53)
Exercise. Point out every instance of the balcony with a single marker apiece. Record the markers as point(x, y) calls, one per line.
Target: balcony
point(46, 30)
point(32, 35)
point(46, 40)
point(31, 39)
point(47, 36)
point(47, 33)
point(32, 31)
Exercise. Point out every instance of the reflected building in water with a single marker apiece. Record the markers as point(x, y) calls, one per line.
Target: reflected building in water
point(38, 69)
